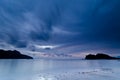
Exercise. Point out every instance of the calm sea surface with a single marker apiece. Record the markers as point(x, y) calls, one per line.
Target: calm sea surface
point(41, 69)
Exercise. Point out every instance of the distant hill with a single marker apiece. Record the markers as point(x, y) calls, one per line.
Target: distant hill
point(13, 55)
point(99, 56)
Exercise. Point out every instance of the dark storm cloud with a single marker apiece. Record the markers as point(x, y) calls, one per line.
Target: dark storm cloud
point(94, 21)
point(25, 21)
point(73, 22)
point(105, 24)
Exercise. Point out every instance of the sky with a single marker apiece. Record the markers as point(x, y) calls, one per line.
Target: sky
point(69, 27)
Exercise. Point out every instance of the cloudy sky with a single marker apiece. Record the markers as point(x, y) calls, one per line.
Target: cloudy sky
point(74, 27)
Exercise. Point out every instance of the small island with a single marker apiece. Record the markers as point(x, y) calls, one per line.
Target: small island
point(8, 54)
point(99, 56)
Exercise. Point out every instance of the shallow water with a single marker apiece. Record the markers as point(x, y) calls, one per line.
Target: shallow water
point(41, 69)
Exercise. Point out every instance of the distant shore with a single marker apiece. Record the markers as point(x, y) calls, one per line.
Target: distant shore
point(100, 56)
point(8, 54)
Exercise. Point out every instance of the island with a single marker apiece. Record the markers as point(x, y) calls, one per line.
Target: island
point(99, 56)
point(9, 54)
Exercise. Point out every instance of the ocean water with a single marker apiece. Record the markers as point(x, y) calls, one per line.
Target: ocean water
point(48, 69)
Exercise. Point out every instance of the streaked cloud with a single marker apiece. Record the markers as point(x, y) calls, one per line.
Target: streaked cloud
point(72, 25)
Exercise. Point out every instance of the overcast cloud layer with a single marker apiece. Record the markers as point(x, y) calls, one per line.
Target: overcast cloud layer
point(89, 24)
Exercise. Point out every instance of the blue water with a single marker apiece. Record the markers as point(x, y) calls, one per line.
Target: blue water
point(41, 69)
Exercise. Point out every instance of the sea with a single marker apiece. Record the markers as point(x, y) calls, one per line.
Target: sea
point(59, 69)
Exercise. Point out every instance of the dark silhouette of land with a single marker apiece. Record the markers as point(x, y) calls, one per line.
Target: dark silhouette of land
point(99, 56)
point(13, 55)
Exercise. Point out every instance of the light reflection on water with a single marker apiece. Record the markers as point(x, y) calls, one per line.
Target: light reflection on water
point(41, 69)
